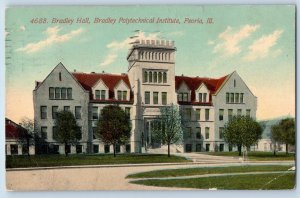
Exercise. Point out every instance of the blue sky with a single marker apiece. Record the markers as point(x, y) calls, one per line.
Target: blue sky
point(256, 41)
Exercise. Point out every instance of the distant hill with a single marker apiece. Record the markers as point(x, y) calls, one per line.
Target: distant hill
point(268, 125)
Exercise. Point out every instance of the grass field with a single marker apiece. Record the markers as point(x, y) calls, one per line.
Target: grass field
point(256, 155)
point(238, 182)
point(73, 160)
point(208, 170)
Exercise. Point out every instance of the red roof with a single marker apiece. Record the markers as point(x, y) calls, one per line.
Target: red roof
point(193, 83)
point(110, 80)
point(12, 130)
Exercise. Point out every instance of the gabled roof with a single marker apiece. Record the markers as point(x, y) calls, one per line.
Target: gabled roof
point(12, 130)
point(193, 83)
point(87, 81)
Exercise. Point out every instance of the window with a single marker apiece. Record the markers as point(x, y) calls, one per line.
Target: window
point(198, 132)
point(234, 83)
point(206, 132)
point(239, 112)
point(128, 149)
point(145, 76)
point(150, 77)
point(188, 148)
point(79, 135)
point(69, 93)
point(54, 132)
point(159, 77)
point(44, 132)
point(155, 97)
point(103, 93)
point(119, 95)
point(63, 93)
point(94, 133)
point(230, 111)
point(221, 147)
point(204, 97)
point(14, 149)
point(97, 94)
point(248, 112)
point(96, 148)
point(221, 132)
point(43, 112)
point(241, 98)
point(237, 96)
point(188, 114)
point(51, 92)
point(206, 114)
point(155, 77)
point(200, 97)
point(147, 97)
point(57, 93)
point(164, 98)
point(124, 95)
point(118, 148)
point(185, 97)
point(165, 77)
point(188, 132)
point(106, 148)
point(95, 113)
point(127, 110)
point(198, 147)
point(232, 97)
point(54, 112)
point(78, 112)
point(221, 114)
point(78, 148)
point(59, 76)
point(227, 97)
point(198, 116)
point(66, 108)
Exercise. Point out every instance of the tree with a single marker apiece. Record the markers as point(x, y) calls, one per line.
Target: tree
point(67, 131)
point(242, 131)
point(284, 132)
point(113, 126)
point(26, 133)
point(167, 126)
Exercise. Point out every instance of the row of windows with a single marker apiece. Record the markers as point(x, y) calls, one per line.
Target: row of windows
point(154, 55)
point(54, 132)
point(187, 114)
point(189, 132)
point(155, 77)
point(184, 97)
point(107, 148)
point(95, 112)
point(234, 97)
point(164, 97)
point(60, 93)
point(239, 112)
point(188, 148)
point(55, 110)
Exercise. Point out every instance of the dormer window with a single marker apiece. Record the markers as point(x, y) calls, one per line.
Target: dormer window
point(203, 97)
point(183, 97)
point(100, 94)
point(122, 95)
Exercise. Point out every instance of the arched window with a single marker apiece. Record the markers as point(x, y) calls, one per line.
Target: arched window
point(141, 55)
point(162, 56)
point(169, 56)
point(59, 76)
point(149, 55)
point(145, 76)
point(166, 54)
point(155, 55)
point(150, 76)
point(158, 56)
point(155, 77)
point(159, 77)
point(152, 55)
point(165, 77)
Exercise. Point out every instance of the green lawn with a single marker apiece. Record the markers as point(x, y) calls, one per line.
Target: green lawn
point(72, 160)
point(256, 155)
point(237, 182)
point(208, 170)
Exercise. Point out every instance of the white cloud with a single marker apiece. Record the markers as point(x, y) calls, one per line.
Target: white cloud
point(260, 48)
point(108, 60)
point(52, 38)
point(22, 28)
point(228, 41)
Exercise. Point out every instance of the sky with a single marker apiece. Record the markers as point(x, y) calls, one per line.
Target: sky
point(256, 41)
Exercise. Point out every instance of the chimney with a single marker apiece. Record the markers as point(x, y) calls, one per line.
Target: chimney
point(74, 70)
point(103, 72)
point(92, 72)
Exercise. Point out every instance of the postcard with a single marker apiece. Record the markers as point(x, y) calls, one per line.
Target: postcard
point(150, 97)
